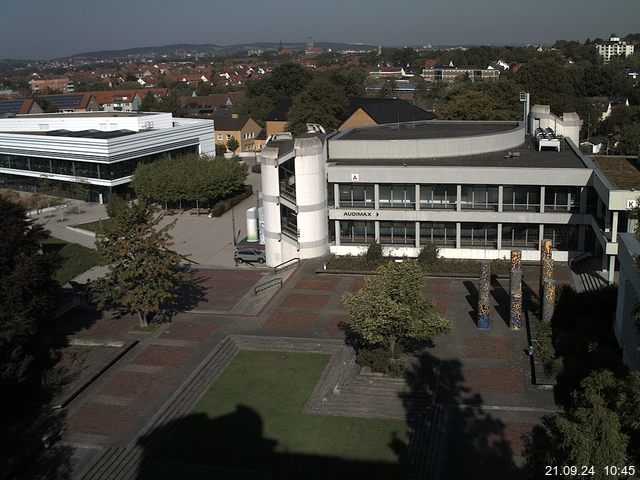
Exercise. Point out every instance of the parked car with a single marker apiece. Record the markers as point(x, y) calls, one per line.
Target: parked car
point(249, 255)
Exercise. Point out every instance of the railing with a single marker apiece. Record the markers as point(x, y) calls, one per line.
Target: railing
point(285, 265)
point(274, 282)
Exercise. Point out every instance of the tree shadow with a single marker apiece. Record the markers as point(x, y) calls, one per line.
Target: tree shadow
point(234, 446)
point(455, 437)
point(191, 293)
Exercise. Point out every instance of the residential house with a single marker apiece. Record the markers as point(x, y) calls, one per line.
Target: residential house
point(19, 106)
point(241, 127)
point(363, 112)
point(72, 102)
point(277, 119)
point(199, 106)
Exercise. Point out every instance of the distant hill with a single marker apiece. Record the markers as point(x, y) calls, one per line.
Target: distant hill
point(183, 48)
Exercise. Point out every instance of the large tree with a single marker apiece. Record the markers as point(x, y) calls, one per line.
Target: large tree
point(473, 105)
point(391, 306)
point(27, 303)
point(320, 102)
point(144, 273)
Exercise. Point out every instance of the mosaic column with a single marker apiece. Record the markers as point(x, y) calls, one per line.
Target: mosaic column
point(545, 253)
point(515, 312)
point(483, 297)
point(516, 259)
point(549, 300)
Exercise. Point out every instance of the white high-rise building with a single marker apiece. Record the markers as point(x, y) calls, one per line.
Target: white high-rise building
point(614, 47)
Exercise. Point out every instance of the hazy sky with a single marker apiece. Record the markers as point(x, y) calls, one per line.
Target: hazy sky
point(55, 28)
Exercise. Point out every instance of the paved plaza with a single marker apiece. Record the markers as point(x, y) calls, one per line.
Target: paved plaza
point(478, 382)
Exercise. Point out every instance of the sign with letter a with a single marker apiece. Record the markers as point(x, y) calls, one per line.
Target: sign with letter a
point(355, 177)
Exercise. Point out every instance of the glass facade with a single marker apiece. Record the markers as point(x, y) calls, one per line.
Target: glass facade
point(397, 195)
point(520, 236)
point(90, 170)
point(563, 237)
point(356, 195)
point(479, 197)
point(479, 235)
point(441, 197)
point(289, 222)
point(521, 198)
point(398, 233)
point(357, 232)
point(562, 199)
point(287, 178)
point(440, 234)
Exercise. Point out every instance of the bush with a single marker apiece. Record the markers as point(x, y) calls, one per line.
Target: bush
point(374, 253)
point(376, 358)
point(544, 342)
point(428, 255)
point(256, 168)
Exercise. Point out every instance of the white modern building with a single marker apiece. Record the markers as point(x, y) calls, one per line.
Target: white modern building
point(614, 47)
point(474, 189)
point(99, 149)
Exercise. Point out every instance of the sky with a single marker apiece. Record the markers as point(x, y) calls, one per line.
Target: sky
point(44, 29)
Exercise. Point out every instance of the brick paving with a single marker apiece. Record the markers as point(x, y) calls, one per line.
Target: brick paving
point(133, 385)
point(101, 419)
point(164, 355)
point(485, 369)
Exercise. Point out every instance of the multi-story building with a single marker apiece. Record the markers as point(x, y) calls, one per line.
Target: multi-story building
point(42, 85)
point(450, 73)
point(614, 47)
point(474, 189)
point(96, 149)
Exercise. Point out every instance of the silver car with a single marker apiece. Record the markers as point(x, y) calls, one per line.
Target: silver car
point(249, 255)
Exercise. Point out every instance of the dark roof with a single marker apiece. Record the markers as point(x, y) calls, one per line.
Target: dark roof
point(622, 172)
point(65, 101)
point(11, 106)
point(423, 130)
point(98, 134)
point(388, 110)
point(529, 158)
point(280, 112)
point(227, 122)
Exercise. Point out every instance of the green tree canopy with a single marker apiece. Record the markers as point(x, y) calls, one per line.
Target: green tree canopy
point(391, 306)
point(27, 303)
point(629, 143)
point(232, 144)
point(320, 102)
point(473, 105)
point(144, 272)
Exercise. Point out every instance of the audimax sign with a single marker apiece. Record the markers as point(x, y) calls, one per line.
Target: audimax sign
point(360, 214)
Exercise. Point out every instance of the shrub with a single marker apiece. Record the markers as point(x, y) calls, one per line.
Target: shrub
point(428, 255)
point(544, 342)
point(374, 253)
point(376, 358)
point(256, 168)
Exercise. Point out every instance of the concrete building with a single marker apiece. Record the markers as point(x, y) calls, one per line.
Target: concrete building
point(450, 73)
point(614, 47)
point(474, 189)
point(100, 150)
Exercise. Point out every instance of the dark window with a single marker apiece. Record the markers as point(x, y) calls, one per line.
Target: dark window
point(438, 196)
point(356, 195)
point(479, 235)
point(441, 234)
point(521, 198)
point(397, 196)
point(357, 232)
point(520, 235)
point(398, 233)
point(479, 197)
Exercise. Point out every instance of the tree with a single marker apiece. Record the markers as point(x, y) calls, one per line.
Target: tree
point(27, 303)
point(144, 273)
point(595, 431)
point(473, 105)
point(232, 144)
point(148, 103)
point(388, 89)
point(629, 143)
point(320, 102)
point(391, 307)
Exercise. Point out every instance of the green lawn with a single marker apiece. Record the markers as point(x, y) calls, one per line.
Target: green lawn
point(253, 418)
point(76, 259)
point(94, 226)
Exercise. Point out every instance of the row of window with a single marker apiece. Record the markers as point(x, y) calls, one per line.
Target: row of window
point(524, 236)
point(444, 197)
point(75, 168)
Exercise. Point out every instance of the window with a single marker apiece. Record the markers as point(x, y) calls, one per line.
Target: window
point(438, 196)
point(357, 232)
point(563, 237)
point(356, 195)
point(397, 196)
point(398, 233)
point(479, 235)
point(520, 236)
point(440, 234)
point(479, 197)
point(228, 136)
point(219, 136)
point(289, 222)
point(561, 199)
point(521, 198)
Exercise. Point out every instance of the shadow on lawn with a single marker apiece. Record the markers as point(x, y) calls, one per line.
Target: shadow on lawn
point(233, 446)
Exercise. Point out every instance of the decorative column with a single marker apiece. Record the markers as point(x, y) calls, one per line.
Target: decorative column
point(545, 253)
point(515, 290)
point(549, 300)
point(483, 296)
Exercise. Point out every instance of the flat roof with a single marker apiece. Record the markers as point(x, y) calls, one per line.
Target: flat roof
point(529, 158)
point(426, 130)
point(98, 134)
point(621, 171)
point(88, 114)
